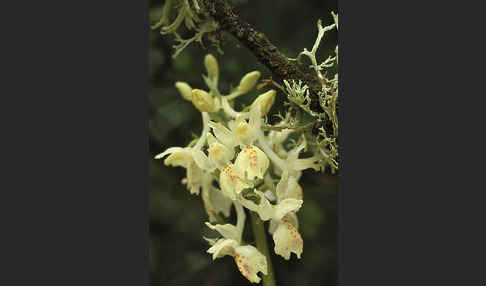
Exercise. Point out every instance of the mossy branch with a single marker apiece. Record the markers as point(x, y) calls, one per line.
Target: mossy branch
point(269, 55)
point(264, 50)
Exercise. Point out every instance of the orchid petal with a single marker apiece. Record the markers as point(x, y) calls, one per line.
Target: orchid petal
point(222, 247)
point(287, 240)
point(228, 231)
point(250, 261)
point(251, 162)
point(286, 206)
point(230, 183)
point(223, 134)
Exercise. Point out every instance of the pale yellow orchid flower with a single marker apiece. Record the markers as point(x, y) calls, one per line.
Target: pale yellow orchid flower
point(247, 258)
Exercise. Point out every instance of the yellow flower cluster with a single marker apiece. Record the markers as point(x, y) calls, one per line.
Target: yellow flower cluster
point(235, 151)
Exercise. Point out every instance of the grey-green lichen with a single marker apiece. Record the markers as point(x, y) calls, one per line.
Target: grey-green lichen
point(191, 15)
point(324, 142)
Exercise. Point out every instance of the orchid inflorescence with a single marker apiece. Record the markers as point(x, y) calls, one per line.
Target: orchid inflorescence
point(235, 152)
point(241, 160)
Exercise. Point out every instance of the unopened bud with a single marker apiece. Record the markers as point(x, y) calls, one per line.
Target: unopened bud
point(211, 66)
point(248, 81)
point(204, 101)
point(265, 100)
point(184, 89)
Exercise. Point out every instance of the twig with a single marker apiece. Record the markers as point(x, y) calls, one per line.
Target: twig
point(265, 52)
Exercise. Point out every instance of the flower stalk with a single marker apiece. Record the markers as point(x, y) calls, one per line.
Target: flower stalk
point(262, 246)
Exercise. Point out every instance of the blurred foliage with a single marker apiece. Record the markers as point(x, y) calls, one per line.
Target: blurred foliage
point(176, 248)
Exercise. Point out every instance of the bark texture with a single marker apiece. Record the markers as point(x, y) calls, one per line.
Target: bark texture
point(265, 52)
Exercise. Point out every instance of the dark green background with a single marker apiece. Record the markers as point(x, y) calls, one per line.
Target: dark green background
point(176, 249)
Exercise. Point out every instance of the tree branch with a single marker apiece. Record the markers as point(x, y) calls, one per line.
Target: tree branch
point(265, 52)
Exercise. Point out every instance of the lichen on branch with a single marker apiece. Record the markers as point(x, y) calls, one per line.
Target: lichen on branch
point(258, 43)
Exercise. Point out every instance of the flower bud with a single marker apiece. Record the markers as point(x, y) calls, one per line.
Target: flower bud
point(184, 89)
point(211, 66)
point(204, 101)
point(248, 81)
point(265, 100)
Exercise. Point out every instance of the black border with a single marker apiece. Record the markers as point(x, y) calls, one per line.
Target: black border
point(407, 204)
point(76, 165)
point(401, 222)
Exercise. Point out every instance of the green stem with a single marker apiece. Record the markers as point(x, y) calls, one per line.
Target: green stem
point(261, 242)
